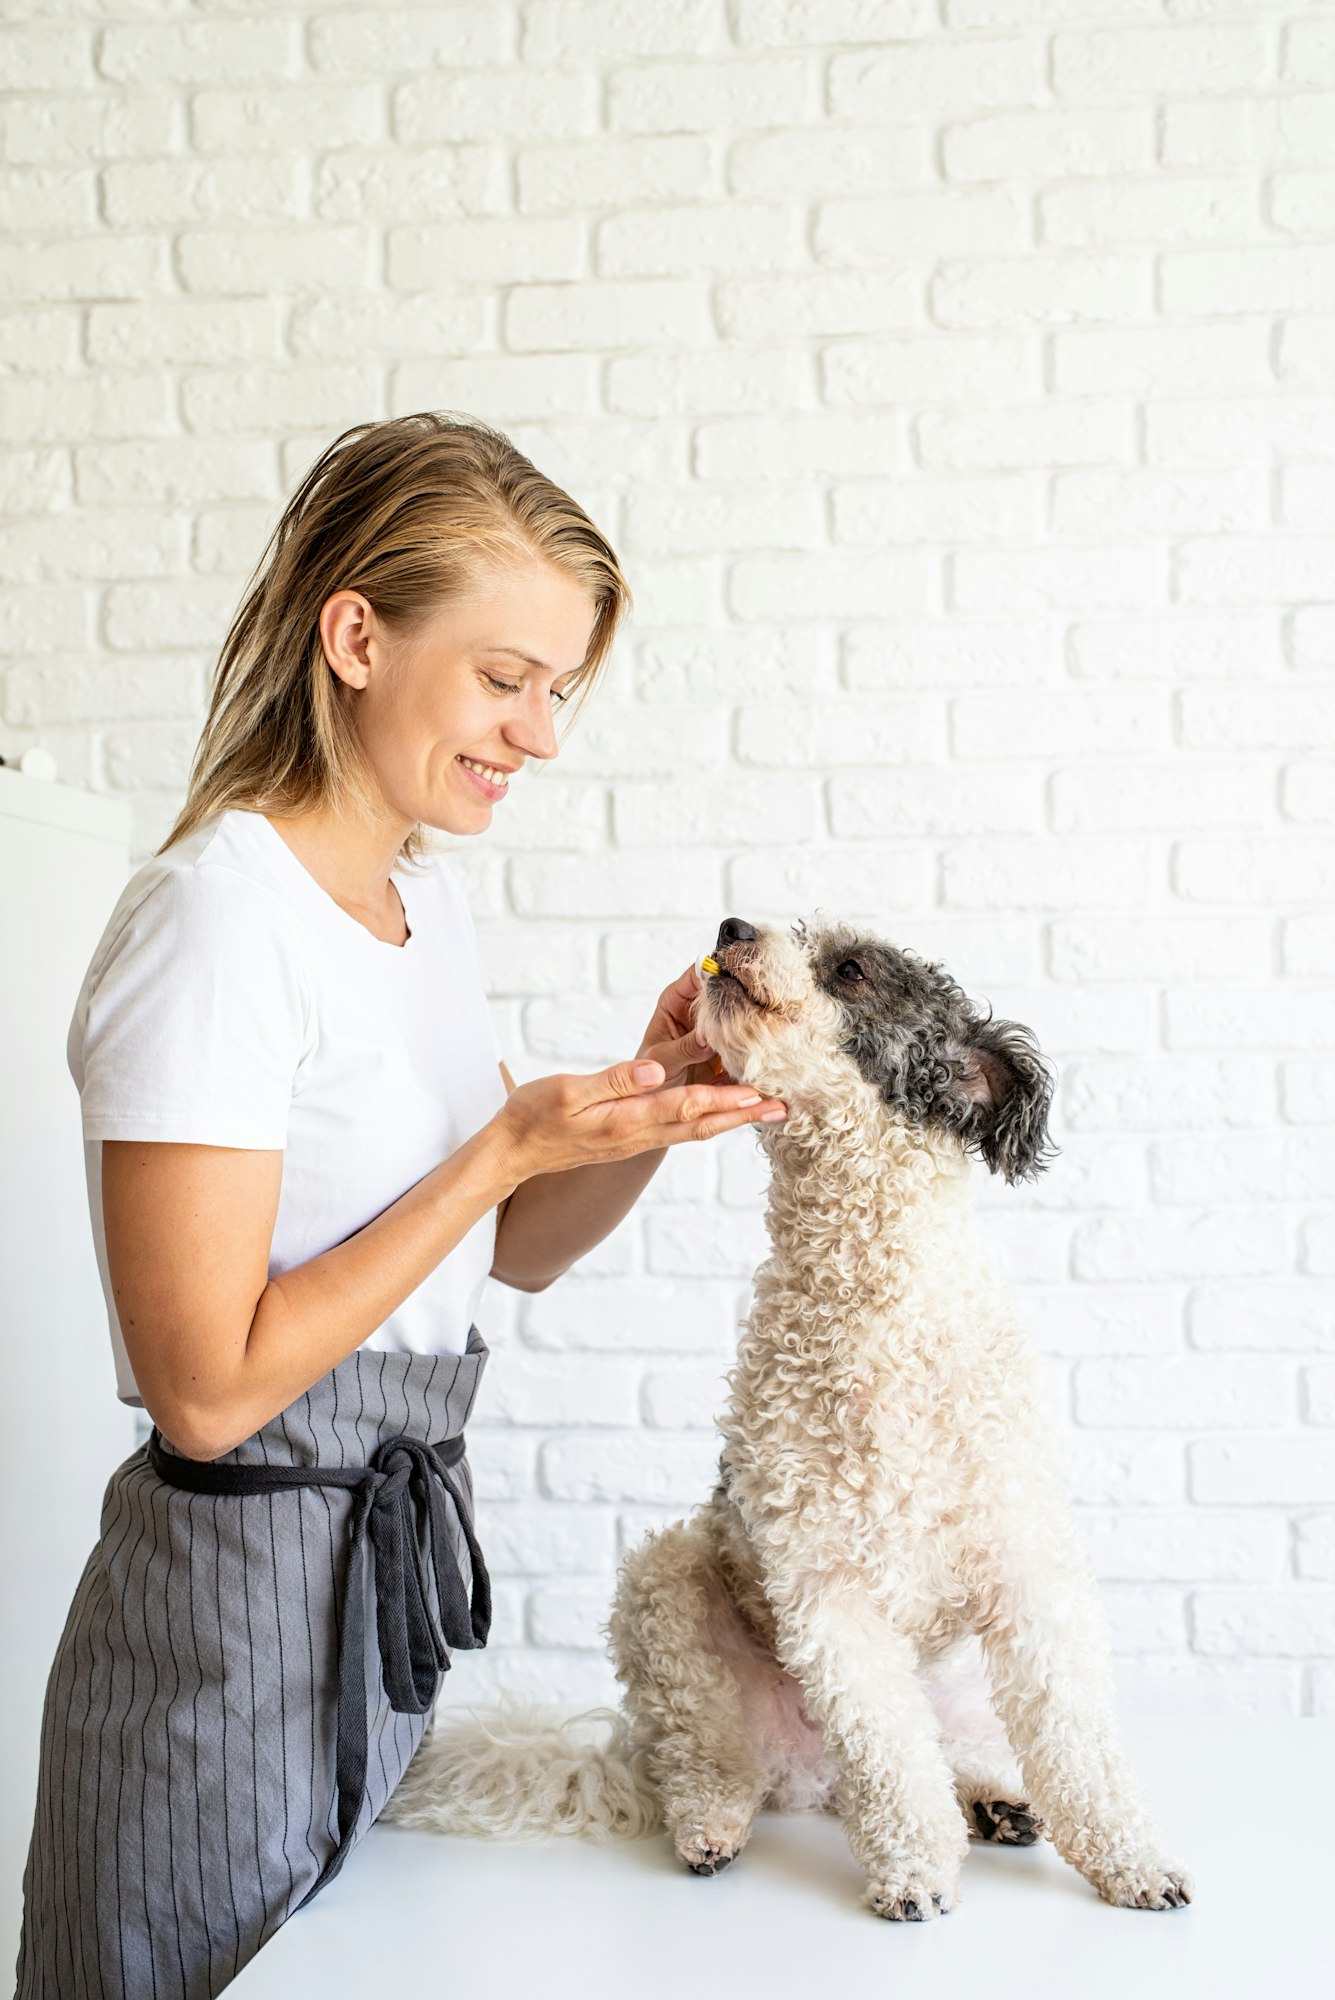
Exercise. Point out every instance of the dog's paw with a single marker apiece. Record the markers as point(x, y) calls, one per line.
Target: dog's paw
point(1152, 1884)
point(911, 1898)
point(704, 1857)
point(1007, 1822)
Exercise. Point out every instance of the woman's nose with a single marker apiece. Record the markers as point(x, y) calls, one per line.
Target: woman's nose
point(534, 731)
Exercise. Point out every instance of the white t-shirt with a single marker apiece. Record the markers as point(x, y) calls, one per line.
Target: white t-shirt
point(232, 1002)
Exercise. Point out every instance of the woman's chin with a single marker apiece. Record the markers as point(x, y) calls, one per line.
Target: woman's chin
point(436, 818)
point(461, 811)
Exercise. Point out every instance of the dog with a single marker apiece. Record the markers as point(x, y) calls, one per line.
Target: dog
point(890, 1515)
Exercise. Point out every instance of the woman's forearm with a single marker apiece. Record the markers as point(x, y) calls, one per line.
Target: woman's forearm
point(552, 1220)
point(312, 1317)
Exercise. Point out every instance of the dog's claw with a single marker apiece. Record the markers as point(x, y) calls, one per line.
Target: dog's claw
point(908, 1909)
point(1162, 1888)
point(713, 1863)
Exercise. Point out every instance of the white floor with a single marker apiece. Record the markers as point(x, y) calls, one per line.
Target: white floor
point(1246, 1802)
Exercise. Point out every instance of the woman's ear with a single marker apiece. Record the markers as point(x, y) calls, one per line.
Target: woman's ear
point(1009, 1088)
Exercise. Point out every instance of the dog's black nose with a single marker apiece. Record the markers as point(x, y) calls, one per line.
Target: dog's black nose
point(735, 930)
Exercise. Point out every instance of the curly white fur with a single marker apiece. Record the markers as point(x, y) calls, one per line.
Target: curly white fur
point(890, 1500)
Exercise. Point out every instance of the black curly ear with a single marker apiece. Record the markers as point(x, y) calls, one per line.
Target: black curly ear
point(1009, 1089)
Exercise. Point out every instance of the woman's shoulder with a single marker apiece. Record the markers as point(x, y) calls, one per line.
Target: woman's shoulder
point(195, 1011)
point(206, 888)
point(192, 925)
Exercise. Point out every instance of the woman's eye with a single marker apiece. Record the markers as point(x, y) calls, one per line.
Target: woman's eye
point(513, 687)
point(850, 969)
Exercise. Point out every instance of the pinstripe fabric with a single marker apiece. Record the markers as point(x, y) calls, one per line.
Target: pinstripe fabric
point(186, 1796)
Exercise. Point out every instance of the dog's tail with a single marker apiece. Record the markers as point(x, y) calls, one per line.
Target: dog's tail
point(521, 1771)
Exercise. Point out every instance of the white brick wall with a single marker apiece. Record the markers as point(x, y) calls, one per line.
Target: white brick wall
point(955, 379)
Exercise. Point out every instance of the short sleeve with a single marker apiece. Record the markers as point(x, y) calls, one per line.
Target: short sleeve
point(196, 1022)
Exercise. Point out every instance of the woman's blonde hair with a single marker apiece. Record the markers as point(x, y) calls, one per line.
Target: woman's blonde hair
point(410, 512)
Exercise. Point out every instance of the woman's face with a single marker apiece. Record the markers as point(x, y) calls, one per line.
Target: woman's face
point(454, 687)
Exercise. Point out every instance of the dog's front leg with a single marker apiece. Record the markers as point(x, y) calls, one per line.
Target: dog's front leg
point(1048, 1648)
point(897, 1797)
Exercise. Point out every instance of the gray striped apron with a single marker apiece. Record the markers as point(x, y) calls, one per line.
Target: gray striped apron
point(223, 1720)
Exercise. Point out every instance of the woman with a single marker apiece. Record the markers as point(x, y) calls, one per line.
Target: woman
point(304, 1158)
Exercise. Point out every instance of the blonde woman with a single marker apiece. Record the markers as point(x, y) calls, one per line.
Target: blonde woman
point(305, 1156)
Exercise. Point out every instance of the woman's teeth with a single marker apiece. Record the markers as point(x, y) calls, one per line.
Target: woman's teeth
point(488, 771)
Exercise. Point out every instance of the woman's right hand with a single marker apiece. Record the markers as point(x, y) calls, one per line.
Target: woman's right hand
point(564, 1121)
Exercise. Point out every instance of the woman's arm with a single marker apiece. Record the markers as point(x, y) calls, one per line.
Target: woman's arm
point(552, 1220)
point(217, 1346)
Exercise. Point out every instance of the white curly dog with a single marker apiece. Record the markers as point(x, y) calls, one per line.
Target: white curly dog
point(890, 1516)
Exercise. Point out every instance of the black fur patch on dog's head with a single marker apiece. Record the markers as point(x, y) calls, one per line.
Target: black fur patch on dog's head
point(919, 1040)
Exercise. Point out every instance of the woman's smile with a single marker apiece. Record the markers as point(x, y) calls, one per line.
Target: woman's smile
point(469, 767)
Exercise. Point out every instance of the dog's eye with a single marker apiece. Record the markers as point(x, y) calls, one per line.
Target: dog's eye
point(850, 969)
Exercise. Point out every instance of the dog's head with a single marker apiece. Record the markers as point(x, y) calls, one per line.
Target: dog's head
point(801, 1014)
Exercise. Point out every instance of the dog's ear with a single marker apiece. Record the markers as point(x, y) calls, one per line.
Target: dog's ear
point(1008, 1087)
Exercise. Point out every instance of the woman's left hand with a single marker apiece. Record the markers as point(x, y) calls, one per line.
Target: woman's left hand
point(670, 1037)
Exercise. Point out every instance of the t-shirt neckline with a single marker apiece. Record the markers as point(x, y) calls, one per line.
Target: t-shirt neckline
point(313, 890)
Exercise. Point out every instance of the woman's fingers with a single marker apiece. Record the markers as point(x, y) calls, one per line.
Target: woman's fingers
point(678, 1053)
point(683, 1111)
point(711, 1123)
point(684, 990)
point(569, 1120)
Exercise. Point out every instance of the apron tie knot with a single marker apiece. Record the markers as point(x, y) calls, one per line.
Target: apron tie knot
point(400, 1515)
point(404, 1503)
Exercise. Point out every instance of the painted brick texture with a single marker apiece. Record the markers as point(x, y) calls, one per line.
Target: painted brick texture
point(956, 380)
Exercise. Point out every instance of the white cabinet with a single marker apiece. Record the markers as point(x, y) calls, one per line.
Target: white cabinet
point(64, 859)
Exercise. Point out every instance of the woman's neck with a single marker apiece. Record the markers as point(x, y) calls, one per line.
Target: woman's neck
point(351, 858)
